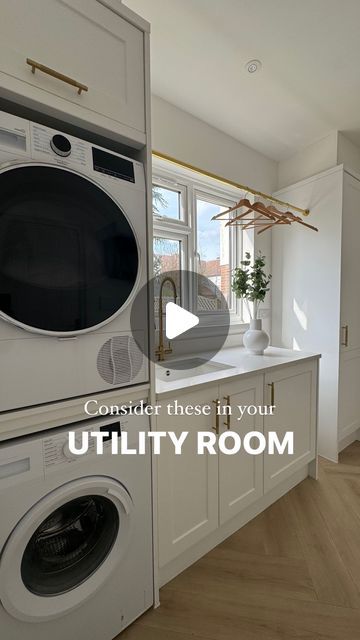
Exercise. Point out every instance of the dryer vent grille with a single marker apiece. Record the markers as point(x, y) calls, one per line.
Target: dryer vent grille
point(119, 360)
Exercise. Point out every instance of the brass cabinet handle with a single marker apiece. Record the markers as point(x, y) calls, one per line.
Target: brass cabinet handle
point(272, 393)
point(228, 416)
point(55, 74)
point(217, 425)
point(345, 329)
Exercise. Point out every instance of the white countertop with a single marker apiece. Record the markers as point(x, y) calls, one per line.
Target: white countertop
point(243, 364)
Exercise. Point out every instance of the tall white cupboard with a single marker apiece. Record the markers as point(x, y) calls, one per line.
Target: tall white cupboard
point(316, 296)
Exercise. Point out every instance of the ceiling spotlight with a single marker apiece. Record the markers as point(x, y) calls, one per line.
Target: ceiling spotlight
point(253, 66)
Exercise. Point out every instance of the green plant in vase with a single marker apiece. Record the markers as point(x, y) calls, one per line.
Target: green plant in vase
point(251, 283)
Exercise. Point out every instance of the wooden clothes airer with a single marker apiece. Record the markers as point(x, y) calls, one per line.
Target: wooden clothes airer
point(263, 217)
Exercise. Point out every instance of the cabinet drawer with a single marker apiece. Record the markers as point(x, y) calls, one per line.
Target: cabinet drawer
point(80, 39)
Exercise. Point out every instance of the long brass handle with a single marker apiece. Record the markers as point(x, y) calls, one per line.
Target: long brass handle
point(272, 393)
point(55, 74)
point(217, 425)
point(228, 416)
point(345, 329)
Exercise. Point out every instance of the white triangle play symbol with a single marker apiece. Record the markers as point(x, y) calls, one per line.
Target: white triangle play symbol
point(178, 320)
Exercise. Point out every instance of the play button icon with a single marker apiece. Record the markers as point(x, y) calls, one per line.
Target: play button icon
point(190, 315)
point(178, 320)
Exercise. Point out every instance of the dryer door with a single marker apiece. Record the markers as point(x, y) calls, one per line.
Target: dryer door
point(64, 548)
point(69, 259)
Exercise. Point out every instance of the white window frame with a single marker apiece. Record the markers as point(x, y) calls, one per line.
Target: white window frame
point(193, 185)
point(169, 234)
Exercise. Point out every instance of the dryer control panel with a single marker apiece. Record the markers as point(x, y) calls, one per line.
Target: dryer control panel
point(25, 141)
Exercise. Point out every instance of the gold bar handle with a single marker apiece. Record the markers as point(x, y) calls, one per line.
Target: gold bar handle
point(272, 394)
point(228, 416)
point(55, 74)
point(345, 329)
point(217, 425)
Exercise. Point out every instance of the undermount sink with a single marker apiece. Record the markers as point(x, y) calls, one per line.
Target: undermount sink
point(188, 368)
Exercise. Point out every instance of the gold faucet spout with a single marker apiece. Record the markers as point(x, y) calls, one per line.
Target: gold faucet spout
point(161, 351)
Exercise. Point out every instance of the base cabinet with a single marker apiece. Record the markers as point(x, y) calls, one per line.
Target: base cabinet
point(240, 475)
point(198, 494)
point(187, 483)
point(293, 392)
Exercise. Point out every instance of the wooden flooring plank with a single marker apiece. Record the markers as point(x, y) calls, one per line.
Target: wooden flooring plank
point(293, 573)
point(237, 573)
point(251, 617)
point(331, 578)
point(271, 533)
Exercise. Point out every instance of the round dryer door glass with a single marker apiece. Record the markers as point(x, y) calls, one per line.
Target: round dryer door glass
point(68, 255)
point(70, 545)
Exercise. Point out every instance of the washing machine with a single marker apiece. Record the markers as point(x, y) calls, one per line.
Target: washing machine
point(73, 244)
point(75, 534)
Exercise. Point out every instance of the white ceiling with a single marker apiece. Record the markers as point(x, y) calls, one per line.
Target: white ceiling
point(309, 84)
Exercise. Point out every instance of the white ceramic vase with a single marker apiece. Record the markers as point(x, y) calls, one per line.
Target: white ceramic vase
point(255, 339)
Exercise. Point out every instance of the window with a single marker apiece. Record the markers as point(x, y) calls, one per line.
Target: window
point(186, 237)
point(213, 251)
point(166, 203)
point(167, 257)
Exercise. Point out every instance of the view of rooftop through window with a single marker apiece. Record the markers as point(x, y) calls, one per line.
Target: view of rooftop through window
point(213, 249)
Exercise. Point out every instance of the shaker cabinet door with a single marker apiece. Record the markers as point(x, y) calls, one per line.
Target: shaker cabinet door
point(84, 41)
point(187, 483)
point(293, 391)
point(241, 474)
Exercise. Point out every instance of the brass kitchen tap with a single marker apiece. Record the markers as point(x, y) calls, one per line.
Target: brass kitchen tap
point(161, 351)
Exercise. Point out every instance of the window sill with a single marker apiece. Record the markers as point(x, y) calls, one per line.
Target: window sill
point(212, 330)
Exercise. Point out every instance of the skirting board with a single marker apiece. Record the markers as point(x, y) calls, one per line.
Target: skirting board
point(188, 558)
point(349, 439)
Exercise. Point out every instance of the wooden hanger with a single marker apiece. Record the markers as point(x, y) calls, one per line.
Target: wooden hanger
point(244, 202)
point(269, 216)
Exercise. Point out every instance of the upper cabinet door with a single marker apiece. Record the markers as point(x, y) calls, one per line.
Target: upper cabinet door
point(350, 267)
point(293, 391)
point(240, 475)
point(85, 41)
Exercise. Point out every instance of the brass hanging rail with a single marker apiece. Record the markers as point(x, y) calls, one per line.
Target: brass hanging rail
point(242, 187)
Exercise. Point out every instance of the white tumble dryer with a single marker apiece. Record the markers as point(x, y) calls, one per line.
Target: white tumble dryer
point(73, 244)
point(75, 535)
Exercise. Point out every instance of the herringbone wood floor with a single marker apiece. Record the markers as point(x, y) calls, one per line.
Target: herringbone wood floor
point(292, 573)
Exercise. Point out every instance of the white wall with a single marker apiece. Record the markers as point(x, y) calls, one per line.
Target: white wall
point(319, 156)
point(348, 153)
point(332, 150)
point(306, 290)
point(184, 137)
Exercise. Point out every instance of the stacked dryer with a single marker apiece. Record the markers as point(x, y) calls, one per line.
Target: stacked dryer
point(72, 257)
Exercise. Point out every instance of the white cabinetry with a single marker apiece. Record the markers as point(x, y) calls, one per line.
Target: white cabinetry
point(202, 494)
point(187, 483)
point(293, 392)
point(316, 302)
point(87, 42)
point(240, 475)
point(349, 375)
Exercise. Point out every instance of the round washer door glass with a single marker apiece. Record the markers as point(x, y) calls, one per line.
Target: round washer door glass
point(68, 255)
point(70, 545)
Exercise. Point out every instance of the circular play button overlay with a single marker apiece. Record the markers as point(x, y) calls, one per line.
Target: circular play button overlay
point(191, 317)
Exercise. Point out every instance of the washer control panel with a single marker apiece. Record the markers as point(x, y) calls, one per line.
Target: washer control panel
point(56, 449)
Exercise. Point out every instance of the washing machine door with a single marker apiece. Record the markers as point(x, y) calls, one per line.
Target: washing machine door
point(65, 548)
point(69, 258)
